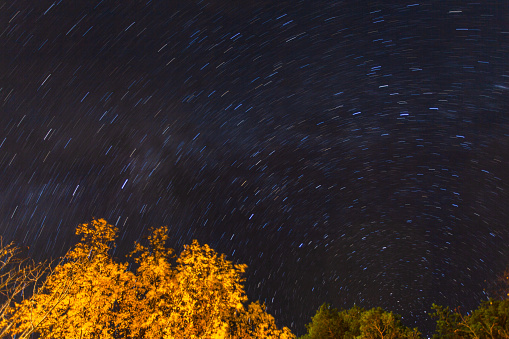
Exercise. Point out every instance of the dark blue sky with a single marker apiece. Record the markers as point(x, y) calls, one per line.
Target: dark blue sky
point(347, 151)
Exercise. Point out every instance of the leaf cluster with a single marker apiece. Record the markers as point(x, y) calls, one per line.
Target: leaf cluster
point(199, 294)
point(489, 320)
point(18, 275)
point(357, 323)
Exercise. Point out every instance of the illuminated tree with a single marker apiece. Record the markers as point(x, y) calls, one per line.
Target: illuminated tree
point(17, 276)
point(210, 290)
point(200, 294)
point(255, 322)
point(79, 297)
point(151, 306)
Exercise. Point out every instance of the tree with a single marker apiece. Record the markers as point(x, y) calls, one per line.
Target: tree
point(210, 290)
point(330, 323)
point(358, 323)
point(79, 297)
point(88, 294)
point(255, 322)
point(17, 276)
point(447, 323)
point(200, 296)
point(489, 320)
point(376, 323)
point(152, 307)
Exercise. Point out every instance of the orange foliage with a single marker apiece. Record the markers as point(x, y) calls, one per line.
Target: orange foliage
point(89, 295)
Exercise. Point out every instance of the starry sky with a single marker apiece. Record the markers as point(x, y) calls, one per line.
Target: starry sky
point(351, 152)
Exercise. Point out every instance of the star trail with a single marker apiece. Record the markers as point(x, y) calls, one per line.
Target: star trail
point(350, 152)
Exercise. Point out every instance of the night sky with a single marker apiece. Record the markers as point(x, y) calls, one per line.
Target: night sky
point(351, 152)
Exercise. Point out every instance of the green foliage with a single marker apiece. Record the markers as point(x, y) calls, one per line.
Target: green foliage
point(376, 323)
point(489, 320)
point(330, 323)
point(357, 323)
